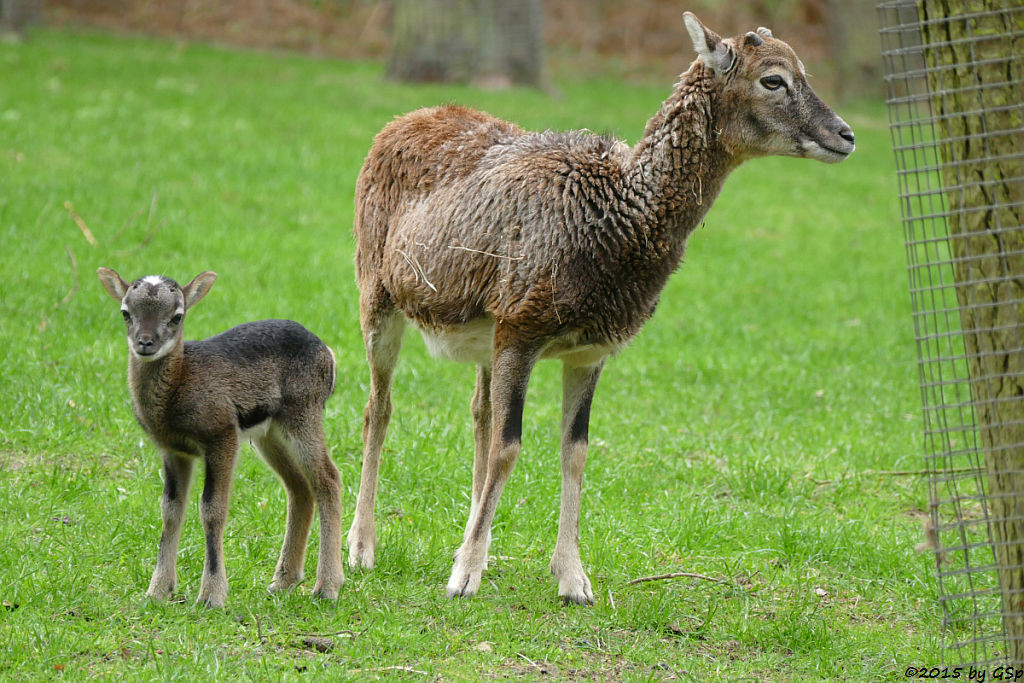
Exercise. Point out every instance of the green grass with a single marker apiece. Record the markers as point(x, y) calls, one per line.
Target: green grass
point(749, 432)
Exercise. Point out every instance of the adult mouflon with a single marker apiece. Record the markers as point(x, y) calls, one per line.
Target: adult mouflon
point(505, 246)
point(264, 381)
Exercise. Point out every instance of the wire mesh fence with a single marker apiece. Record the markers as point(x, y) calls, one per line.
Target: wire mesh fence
point(955, 85)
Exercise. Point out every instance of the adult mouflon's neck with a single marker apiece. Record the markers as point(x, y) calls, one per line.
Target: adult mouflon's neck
point(678, 166)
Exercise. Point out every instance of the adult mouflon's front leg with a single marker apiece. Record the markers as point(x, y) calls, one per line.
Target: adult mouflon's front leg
point(578, 384)
point(509, 376)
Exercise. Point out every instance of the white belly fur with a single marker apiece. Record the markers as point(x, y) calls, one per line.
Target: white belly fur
point(469, 343)
point(474, 341)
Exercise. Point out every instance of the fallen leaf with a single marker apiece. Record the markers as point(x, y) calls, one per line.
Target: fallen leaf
point(318, 643)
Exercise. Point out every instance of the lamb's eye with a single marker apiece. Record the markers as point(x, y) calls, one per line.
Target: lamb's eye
point(773, 82)
point(127, 316)
point(176, 320)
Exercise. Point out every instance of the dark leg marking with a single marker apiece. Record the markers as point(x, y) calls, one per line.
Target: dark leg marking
point(512, 430)
point(212, 560)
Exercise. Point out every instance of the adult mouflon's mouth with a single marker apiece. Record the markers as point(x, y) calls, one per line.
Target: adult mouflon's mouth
point(827, 153)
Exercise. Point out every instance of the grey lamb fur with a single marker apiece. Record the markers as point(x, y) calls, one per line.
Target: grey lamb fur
point(505, 246)
point(266, 382)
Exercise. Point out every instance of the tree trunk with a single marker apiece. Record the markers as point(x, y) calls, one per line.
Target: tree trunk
point(15, 15)
point(494, 43)
point(853, 48)
point(974, 53)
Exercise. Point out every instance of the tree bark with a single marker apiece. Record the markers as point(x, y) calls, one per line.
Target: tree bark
point(974, 53)
point(494, 43)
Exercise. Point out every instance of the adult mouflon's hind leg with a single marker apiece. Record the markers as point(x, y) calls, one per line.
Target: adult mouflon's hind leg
point(510, 374)
point(382, 334)
point(177, 477)
point(481, 444)
point(578, 384)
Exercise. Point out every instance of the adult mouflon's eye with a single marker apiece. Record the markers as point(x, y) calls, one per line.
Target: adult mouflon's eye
point(176, 320)
point(127, 316)
point(773, 82)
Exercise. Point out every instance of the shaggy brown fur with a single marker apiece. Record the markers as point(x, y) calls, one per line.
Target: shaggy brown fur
point(505, 246)
point(266, 381)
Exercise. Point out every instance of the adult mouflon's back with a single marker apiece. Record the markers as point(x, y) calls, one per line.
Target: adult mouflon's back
point(506, 246)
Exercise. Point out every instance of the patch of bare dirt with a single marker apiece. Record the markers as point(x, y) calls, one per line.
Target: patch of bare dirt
point(644, 35)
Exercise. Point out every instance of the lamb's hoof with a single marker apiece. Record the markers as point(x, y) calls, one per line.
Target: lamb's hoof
point(282, 584)
point(162, 587)
point(323, 593)
point(213, 591)
point(161, 591)
point(328, 582)
point(212, 601)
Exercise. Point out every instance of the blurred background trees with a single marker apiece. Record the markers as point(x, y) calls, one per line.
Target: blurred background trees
point(497, 42)
point(16, 15)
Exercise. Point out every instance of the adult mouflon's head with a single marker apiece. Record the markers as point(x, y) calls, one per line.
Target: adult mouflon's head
point(154, 309)
point(766, 105)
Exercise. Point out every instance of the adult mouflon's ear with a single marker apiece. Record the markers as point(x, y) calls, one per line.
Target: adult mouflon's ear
point(710, 47)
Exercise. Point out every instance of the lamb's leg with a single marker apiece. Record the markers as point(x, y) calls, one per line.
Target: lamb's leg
point(481, 444)
point(382, 334)
point(276, 452)
point(323, 476)
point(213, 508)
point(578, 384)
point(510, 375)
point(177, 477)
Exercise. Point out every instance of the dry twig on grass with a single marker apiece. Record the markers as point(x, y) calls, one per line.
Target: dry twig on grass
point(80, 222)
point(676, 575)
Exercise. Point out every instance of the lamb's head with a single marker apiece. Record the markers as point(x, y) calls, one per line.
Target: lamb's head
point(154, 309)
point(765, 104)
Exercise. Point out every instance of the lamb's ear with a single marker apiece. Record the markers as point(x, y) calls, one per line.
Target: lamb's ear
point(197, 289)
point(710, 47)
point(114, 285)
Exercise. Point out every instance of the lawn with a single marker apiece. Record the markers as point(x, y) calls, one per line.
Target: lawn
point(762, 430)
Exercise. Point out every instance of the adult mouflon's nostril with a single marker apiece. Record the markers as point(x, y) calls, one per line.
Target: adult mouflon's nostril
point(846, 133)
